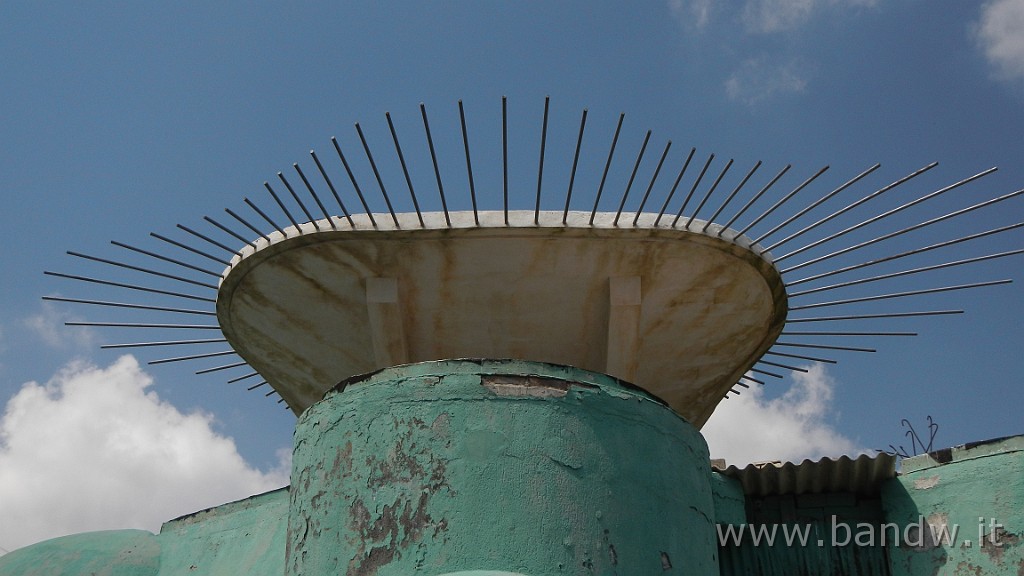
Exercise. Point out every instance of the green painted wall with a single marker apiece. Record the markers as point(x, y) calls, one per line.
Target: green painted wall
point(529, 468)
point(108, 553)
point(975, 482)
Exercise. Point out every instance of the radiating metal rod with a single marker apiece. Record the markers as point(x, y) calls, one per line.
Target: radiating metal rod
point(309, 216)
point(139, 325)
point(469, 163)
point(825, 347)
point(316, 197)
point(607, 165)
point(219, 368)
point(816, 203)
point(141, 269)
point(405, 169)
point(271, 393)
point(650, 185)
point(887, 213)
point(754, 380)
point(575, 163)
point(765, 373)
point(193, 357)
point(754, 199)
point(207, 238)
point(189, 248)
point(799, 357)
point(632, 177)
point(129, 305)
point(900, 294)
point(815, 333)
point(874, 316)
point(744, 384)
point(672, 191)
point(849, 207)
point(905, 230)
point(243, 377)
point(334, 191)
point(257, 385)
point(376, 174)
point(504, 154)
point(131, 287)
point(352, 178)
point(785, 366)
point(264, 216)
point(689, 194)
point(909, 272)
point(708, 194)
point(903, 254)
point(433, 158)
point(229, 231)
point(281, 205)
point(165, 343)
point(731, 196)
point(540, 169)
point(782, 201)
point(165, 258)
point(247, 224)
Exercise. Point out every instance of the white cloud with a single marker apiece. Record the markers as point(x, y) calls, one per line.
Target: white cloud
point(769, 16)
point(748, 428)
point(693, 12)
point(757, 80)
point(92, 449)
point(48, 326)
point(1000, 32)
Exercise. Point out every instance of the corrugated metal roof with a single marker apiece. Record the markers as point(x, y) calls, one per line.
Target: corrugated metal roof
point(862, 475)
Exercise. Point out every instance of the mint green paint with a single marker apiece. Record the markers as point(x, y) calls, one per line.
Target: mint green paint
point(245, 537)
point(985, 481)
point(511, 466)
point(729, 501)
point(109, 553)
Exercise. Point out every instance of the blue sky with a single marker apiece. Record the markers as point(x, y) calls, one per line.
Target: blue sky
point(119, 120)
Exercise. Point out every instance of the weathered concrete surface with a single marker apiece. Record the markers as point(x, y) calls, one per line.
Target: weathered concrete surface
point(728, 498)
point(966, 490)
point(682, 313)
point(522, 467)
point(107, 553)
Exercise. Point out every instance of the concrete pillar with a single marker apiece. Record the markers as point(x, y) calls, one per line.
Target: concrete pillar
point(494, 467)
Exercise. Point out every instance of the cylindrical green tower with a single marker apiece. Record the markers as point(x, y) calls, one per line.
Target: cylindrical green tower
point(503, 466)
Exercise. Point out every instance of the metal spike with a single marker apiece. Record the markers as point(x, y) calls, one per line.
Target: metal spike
point(650, 186)
point(632, 177)
point(131, 287)
point(754, 380)
point(813, 333)
point(193, 357)
point(753, 199)
point(849, 207)
point(469, 163)
point(219, 368)
point(799, 357)
point(243, 377)
point(782, 201)
point(164, 343)
point(264, 216)
point(504, 153)
point(405, 169)
point(316, 197)
point(924, 224)
point(766, 373)
point(437, 171)
point(743, 384)
point(540, 169)
point(689, 194)
point(138, 325)
point(309, 217)
point(874, 316)
point(255, 386)
point(575, 163)
point(281, 205)
point(709, 193)
point(376, 174)
point(817, 203)
point(247, 225)
point(731, 196)
point(900, 294)
point(607, 165)
point(164, 258)
point(825, 347)
point(675, 185)
point(334, 192)
point(352, 178)
point(785, 366)
point(240, 238)
point(141, 269)
point(189, 248)
point(128, 305)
